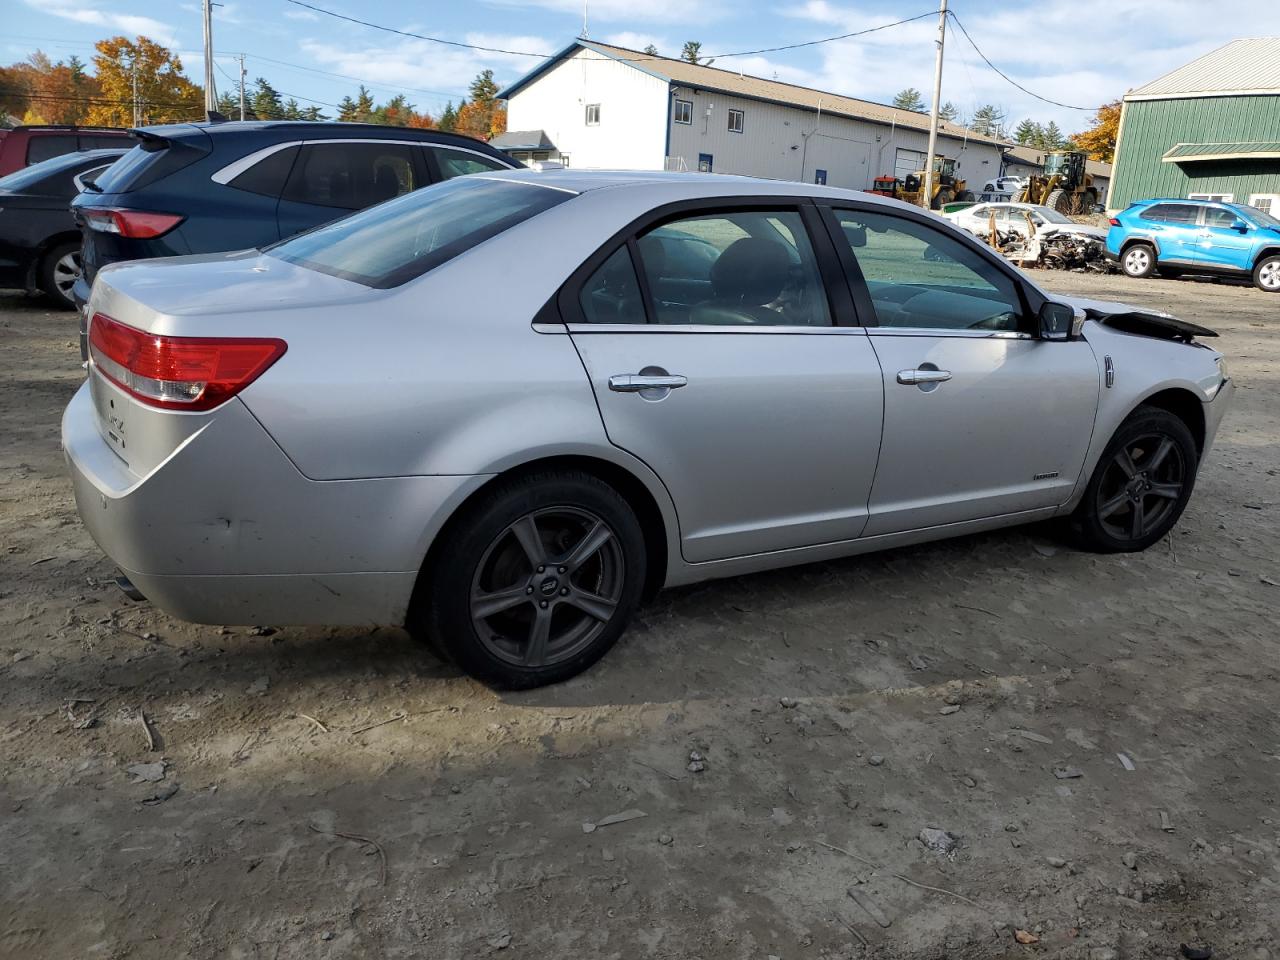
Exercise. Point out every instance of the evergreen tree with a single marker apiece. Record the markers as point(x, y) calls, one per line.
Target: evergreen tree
point(313, 113)
point(909, 99)
point(988, 120)
point(692, 52)
point(949, 111)
point(651, 51)
point(267, 104)
point(1028, 132)
point(346, 110)
point(483, 88)
point(364, 105)
point(1052, 138)
point(291, 110)
point(448, 119)
point(229, 105)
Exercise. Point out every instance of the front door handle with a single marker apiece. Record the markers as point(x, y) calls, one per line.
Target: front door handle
point(914, 377)
point(635, 382)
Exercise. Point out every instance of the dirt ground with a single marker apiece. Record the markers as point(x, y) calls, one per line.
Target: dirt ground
point(340, 794)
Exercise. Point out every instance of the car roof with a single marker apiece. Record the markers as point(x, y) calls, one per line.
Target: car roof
point(714, 184)
point(305, 129)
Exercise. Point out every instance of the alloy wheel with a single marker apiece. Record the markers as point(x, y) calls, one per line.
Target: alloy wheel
point(66, 271)
point(1137, 260)
point(1141, 486)
point(1269, 276)
point(547, 586)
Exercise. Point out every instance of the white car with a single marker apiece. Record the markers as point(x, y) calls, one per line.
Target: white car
point(1012, 217)
point(1004, 185)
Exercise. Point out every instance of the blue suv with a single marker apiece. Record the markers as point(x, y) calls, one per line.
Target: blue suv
point(1197, 236)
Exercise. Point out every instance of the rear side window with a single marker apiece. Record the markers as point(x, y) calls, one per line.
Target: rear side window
point(1172, 213)
point(43, 146)
point(267, 177)
point(102, 141)
point(459, 163)
point(391, 244)
point(612, 293)
point(352, 176)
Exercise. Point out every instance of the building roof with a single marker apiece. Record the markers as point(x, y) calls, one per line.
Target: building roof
point(1247, 66)
point(1034, 157)
point(523, 140)
point(1199, 152)
point(744, 85)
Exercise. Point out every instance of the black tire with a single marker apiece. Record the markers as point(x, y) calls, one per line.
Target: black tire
point(485, 561)
point(1138, 260)
point(1266, 273)
point(52, 275)
point(1131, 501)
point(966, 196)
point(1059, 200)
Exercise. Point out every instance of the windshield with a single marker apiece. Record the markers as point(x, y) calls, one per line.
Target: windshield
point(29, 176)
point(1052, 215)
point(1258, 216)
point(387, 245)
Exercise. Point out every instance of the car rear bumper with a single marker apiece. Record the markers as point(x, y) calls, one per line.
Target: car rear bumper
point(228, 531)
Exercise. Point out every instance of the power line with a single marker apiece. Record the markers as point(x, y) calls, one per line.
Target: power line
point(1030, 93)
point(543, 55)
point(343, 76)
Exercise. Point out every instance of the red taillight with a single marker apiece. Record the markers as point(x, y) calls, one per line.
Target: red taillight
point(178, 373)
point(135, 224)
point(1113, 221)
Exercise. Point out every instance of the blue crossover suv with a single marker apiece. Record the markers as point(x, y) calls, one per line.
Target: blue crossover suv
point(1197, 236)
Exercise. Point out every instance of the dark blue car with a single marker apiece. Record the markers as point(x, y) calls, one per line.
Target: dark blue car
point(208, 187)
point(1197, 236)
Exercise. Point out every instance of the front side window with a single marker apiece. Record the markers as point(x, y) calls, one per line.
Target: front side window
point(735, 121)
point(387, 245)
point(459, 163)
point(1218, 217)
point(593, 114)
point(684, 111)
point(352, 175)
point(738, 268)
point(921, 277)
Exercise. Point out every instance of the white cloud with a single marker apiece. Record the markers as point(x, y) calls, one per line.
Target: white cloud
point(298, 14)
point(130, 24)
point(613, 11)
point(638, 41)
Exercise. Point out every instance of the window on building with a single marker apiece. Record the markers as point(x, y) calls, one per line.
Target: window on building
point(684, 111)
point(735, 121)
point(1216, 197)
point(820, 177)
point(1266, 202)
point(593, 114)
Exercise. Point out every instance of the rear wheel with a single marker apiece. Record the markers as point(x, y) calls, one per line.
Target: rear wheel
point(1059, 200)
point(1266, 274)
point(1140, 486)
point(536, 582)
point(59, 269)
point(1138, 260)
point(966, 196)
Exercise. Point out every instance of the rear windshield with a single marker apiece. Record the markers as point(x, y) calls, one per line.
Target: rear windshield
point(127, 169)
point(32, 175)
point(387, 245)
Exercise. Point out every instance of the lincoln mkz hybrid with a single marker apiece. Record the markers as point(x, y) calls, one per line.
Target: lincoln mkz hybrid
point(505, 409)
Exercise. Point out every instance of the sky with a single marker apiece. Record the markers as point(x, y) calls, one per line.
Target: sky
point(1081, 53)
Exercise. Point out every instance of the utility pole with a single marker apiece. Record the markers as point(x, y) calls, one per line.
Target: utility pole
point(137, 107)
point(210, 94)
point(927, 197)
point(241, 59)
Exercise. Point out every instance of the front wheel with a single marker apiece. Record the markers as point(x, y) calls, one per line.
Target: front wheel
point(534, 583)
point(1139, 260)
point(1266, 274)
point(1140, 486)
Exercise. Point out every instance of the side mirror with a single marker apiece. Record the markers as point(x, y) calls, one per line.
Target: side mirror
point(1240, 226)
point(1057, 321)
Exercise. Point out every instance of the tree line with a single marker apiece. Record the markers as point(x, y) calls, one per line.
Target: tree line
point(1099, 141)
point(141, 82)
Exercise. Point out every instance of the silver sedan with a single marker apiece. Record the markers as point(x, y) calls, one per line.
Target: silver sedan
point(505, 409)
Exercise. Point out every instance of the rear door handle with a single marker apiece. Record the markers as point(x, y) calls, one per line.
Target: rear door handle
point(913, 377)
point(635, 382)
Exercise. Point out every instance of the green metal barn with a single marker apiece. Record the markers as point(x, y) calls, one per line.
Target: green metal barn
point(1209, 130)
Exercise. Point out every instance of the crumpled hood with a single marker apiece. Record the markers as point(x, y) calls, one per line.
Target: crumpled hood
point(1137, 320)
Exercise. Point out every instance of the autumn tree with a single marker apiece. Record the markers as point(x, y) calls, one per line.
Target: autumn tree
point(1099, 141)
point(482, 116)
point(15, 95)
point(909, 99)
point(164, 94)
point(55, 92)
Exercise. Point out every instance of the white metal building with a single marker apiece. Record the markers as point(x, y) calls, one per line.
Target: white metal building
point(603, 106)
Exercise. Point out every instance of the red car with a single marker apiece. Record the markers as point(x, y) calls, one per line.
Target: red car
point(23, 146)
